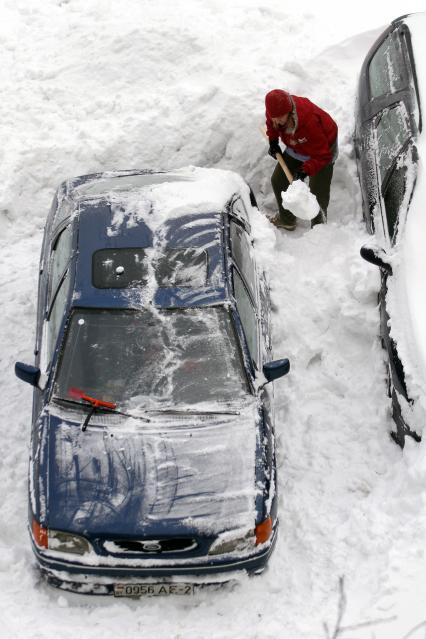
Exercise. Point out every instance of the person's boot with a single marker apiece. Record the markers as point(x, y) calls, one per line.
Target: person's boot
point(288, 226)
point(286, 222)
point(321, 218)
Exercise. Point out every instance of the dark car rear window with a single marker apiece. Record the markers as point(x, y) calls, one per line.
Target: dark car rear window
point(152, 358)
point(131, 267)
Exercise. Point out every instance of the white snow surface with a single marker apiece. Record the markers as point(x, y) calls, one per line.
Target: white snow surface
point(300, 201)
point(94, 86)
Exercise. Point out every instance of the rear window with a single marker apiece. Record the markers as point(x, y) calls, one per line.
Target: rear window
point(107, 184)
point(131, 267)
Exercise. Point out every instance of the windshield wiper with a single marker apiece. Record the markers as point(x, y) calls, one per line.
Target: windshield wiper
point(95, 405)
point(184, 411)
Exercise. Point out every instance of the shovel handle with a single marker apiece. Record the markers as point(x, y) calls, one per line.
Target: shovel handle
point(284, 167)
point(280, 159)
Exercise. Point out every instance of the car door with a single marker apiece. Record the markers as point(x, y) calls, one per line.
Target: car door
point(245, 286)
point(243, 257)
point(52, 303)
point(251, 295)
point(393, 155)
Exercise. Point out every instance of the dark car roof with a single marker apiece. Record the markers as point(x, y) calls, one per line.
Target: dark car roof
point(156, 231)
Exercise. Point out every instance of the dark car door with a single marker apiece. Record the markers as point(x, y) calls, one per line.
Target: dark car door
point(252, 299)
point(395, 161)
point(393, 155)
point(53, 295)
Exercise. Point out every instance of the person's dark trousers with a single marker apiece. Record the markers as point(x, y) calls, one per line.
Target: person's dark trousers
point(319, 185)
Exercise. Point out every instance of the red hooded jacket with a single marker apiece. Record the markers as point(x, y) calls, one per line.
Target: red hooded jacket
point(314, 136)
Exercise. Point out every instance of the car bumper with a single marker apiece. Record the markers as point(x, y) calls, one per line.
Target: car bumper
point(101, 579)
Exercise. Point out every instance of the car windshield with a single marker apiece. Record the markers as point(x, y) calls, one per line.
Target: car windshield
point(152, 358)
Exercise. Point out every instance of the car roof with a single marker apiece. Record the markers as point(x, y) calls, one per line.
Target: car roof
point(165, 214)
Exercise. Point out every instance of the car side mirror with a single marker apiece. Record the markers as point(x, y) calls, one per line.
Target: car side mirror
point(276, 369)
point(29, 374)
point(376, 256)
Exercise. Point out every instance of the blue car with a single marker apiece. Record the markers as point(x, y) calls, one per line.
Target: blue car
point(152, 461)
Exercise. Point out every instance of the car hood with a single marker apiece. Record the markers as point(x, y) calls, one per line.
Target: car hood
point(174, 474)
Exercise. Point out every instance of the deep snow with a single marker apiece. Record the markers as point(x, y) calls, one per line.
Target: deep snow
point(92, 85)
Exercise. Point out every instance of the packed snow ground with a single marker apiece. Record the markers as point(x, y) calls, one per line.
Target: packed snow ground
point(92, 85)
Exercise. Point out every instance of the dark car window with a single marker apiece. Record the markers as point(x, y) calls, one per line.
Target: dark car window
point(243, 256)
point(61, 254)
point(64, 210)
point(119, 268)
point(393, 131)
point(127, 267)
point(56, 315)
point(239, 210)
point(152, 358)
point(104, 183)
point(386, 69)
point(247, 315)
point(395, 191)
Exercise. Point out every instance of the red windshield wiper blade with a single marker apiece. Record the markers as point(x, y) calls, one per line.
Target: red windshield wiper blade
point(94, 403)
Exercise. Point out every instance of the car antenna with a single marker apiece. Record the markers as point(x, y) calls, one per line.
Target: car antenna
point(95, 404)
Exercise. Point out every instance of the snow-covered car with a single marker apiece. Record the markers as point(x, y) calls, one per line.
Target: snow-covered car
point(389, 150)
point(152, 455)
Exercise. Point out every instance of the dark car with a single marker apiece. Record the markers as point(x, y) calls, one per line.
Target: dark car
point(153, 455)
point(388, 143)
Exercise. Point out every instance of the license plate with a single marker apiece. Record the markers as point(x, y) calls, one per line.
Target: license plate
point(152, 590)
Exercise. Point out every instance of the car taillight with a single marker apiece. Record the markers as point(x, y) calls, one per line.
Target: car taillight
point(263, 531)
point(40, 534)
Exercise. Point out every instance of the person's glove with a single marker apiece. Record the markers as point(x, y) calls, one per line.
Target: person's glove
point(274, 148)
point(299, 175)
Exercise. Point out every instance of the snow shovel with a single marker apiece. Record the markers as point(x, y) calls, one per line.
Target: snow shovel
point(287, 171)
point(284, 167)
point(280, 159)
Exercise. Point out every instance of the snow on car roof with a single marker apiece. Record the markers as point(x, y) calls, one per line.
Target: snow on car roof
point(190, 189)
point(159, 211)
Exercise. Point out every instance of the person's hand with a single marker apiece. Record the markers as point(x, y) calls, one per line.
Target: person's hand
point(299, 175)
point(274, 148)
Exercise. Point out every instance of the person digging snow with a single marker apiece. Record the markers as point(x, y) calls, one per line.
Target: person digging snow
point(310, 136)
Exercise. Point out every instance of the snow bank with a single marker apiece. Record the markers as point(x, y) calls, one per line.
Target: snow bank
point(89, 86)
